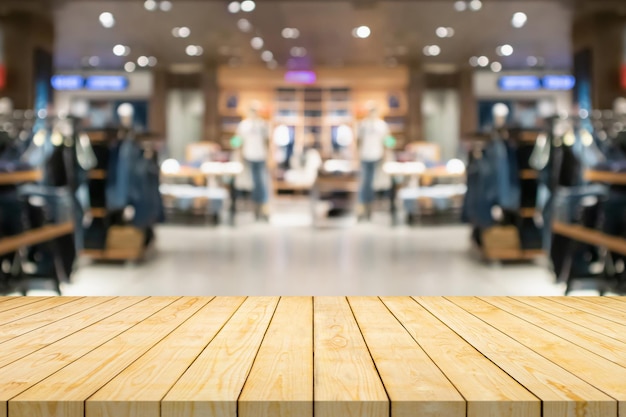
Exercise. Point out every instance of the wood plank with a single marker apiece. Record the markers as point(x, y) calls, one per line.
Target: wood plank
point(138, 390)
point(15, 302)
point(596, 370)
point(562, 393)
point(64, 393)
point(18, 177)
point(597, 324)
point(591, 308)
point(106, 322)
point(97, 174)
point(213, 383)
point(406, 363)
point(33, 308)
point(528, 174)
point(617, 178)
point(341, 359)
point(597, 343)
point(488, 390)
point(280, 383)
point(27, 324)
point(612, 302)
point(34, 236)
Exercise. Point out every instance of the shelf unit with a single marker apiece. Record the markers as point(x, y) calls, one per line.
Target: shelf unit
point(34, 237)
point(591, 236)
point(17, 177)
point(613, 178)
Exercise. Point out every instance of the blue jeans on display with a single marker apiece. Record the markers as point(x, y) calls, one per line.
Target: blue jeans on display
point(366, 193)
point(259, 180)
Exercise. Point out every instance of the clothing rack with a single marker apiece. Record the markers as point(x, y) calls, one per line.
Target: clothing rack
point(110, 237)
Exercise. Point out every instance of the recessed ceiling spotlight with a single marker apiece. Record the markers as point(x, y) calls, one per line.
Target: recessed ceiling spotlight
point(152, 61)
point(267, 56)
point(298, 51)
point(165, 5)
point(519, 20)
point(532, 61)
point(434, 50)
point(257, 42)
point(504, 50)
point(121, 50)
point(244, 25)
point(194, 50)
point(362, 32)
point(442, 32)
point(150, 5)
point(290, 33)
point(130, 67)
point(143, 61)
point(496, 66)
point(248, 6)
point(234, 7)
point(475, 5)
point(482, 61)
point(473, 61)
point(184, 32)
point(460, 6)
point(451, 32)
point(107, 20)
point(94, 61)
point(426, 50)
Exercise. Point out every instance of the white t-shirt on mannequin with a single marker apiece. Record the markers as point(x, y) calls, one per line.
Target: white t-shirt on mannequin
point(372, 134)
point(254, 135)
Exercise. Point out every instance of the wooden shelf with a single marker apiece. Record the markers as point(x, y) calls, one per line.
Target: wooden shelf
point(18, 177)
point(529, 174)
point(512, 254)
point(97, 174)
point(98, 212)
point(113, 254)
point(591, 236)
point(527, 212)
point(616, 178)
point(35, 236)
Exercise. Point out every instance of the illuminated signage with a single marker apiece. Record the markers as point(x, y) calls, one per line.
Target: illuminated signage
point(558, 82)
point(519, 83)
point(106, 83)
point(67, 82)
point(300, 77)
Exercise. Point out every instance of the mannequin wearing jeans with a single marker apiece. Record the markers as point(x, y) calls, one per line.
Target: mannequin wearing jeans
point(254, 134)
point(371, 135)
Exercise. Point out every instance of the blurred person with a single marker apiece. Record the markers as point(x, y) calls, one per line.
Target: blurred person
point(371, 135)
point(254, 134)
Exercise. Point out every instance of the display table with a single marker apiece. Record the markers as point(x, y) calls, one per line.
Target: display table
point(304, 356)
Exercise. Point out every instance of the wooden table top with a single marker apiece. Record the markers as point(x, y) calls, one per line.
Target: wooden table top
point(374, 357)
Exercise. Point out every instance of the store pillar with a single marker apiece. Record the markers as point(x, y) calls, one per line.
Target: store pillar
point(26, 48)
point(599, 43)
point(158, 103)
point(467, 98)
point(211, 103)
point(414, 96)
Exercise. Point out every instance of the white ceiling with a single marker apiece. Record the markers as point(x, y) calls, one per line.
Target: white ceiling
point(325, 31)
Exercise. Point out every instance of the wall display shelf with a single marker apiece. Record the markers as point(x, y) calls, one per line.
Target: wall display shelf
point(34, 237)
point(591, 236)
point(18, 177)
point(613, 178)
point(566, 356)
point(529, 174)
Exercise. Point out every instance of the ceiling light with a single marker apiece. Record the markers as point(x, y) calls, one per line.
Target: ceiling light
point(298, 51)
point(519, 20)
point(184, 32)
point(130, 67)
point(107, 20)
point(442, 32)
point(496, 67)
point(460, 6)
point(175, 32)
point(121, 50)
point(165, 5)
point(426, 50)
point(505, 50)
point(94, 61)
point(451, 32)
point(475, 5)
point(150, 5)
point(295, 33)
point(290, 33)
point(482, 61)
point(244, 25)
point(152, 61)
point(532, 61)
point(257, 42)
point(194, 50)
point(143, 61)
point(473, 61)
point(362, 32)
point(434, 50)
point(272, 64)
point(248, 6)
point(267, 56)
point(234, 7)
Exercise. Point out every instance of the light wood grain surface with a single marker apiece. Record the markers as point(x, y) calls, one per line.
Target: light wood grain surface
point(312, 356)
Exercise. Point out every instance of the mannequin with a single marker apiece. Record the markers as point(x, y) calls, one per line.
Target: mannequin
point(371, 135)
point(254, 134)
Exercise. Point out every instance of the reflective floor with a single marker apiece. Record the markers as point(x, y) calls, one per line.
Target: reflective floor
point(289, 257)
